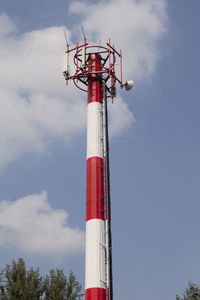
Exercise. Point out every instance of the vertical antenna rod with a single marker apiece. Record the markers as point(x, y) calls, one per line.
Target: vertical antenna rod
point(83, 32)
point(67, 44)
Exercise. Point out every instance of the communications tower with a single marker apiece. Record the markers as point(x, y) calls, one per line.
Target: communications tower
point(95, 73)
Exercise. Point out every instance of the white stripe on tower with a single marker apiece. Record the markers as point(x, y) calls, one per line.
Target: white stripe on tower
point(95, 286)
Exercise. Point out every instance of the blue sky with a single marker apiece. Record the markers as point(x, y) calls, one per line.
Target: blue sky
point(154, 146)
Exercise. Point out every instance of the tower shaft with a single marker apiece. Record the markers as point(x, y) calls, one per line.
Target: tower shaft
point(95, 73)
point(95, 273)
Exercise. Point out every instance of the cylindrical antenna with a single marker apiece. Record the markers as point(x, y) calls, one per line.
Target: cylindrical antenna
point(84, 57)
point(66, 65)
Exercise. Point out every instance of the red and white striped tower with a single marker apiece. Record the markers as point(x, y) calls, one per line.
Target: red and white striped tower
point(95, 74)
point(95, 280)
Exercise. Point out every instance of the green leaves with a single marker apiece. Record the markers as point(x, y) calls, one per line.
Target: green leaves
point(55, 285)
point(192, 292)
point(73, 288)
point(18, 283)
point(16, 280)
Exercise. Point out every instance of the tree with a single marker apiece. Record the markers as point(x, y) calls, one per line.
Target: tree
point(34, 284)
point(55, 285)
point(22, 284)
point(192, 292)
point(73, 288)
point(2, 286)
point(17, 283)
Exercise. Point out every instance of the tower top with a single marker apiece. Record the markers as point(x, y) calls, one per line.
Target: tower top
point(81, 56)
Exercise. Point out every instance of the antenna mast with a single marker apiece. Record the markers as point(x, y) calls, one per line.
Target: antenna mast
point(95, 73)
point(66, 39)
point(83, 32)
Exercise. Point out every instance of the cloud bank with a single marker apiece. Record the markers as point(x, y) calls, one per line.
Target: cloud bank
point(36, 107)
point(30, 224)
point(137, 26)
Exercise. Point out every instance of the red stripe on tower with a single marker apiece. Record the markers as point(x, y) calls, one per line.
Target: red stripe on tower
point(96, 293)
point(95, 200)
point(95, 279)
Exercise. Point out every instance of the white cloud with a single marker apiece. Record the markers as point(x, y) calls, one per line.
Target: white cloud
point(33, 226)
point(120, 117)
point(7, 26)
point(137, 26)
point(28, 126)
point(36, 106)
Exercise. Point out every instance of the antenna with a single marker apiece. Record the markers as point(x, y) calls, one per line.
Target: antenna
point(83, 32)
point(99, 44)
point(66, 38)
point(94, 72)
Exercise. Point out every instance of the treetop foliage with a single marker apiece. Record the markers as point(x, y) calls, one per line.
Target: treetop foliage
point(17, 283)
point(192, 292)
